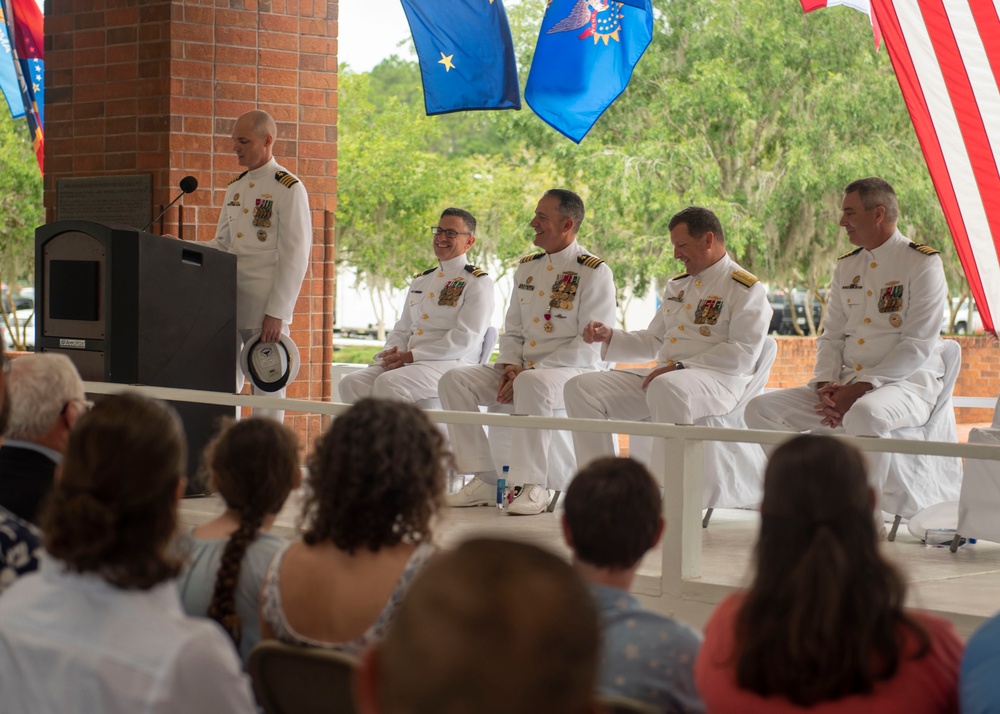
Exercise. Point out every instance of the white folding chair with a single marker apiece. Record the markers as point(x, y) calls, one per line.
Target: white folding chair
point(979, 502)
point(914, 481)
point(734, 471)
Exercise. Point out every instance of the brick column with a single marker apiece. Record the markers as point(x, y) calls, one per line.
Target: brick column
point(155, 88)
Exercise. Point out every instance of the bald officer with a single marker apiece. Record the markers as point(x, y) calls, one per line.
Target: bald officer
point(706, 338)
point(266, 224)
point(878, 361)
point(556, 292)
point(447, 311)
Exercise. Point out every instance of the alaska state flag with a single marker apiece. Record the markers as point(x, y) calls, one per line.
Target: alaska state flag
point(584, 59)
point(466, 54)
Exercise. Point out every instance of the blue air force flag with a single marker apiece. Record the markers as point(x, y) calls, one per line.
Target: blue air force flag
point(466, 54)
point(584, 59)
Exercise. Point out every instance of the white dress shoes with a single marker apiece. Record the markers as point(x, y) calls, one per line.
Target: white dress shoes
point(475, 493)
point(532, 500)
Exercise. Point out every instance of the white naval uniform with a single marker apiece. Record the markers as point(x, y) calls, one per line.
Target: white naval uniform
point(714, 323)
point(266, 224)
point(882, 327)
point(552, 357)
point(448, 309)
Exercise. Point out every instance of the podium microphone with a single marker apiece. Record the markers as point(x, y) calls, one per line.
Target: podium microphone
point(188, 185)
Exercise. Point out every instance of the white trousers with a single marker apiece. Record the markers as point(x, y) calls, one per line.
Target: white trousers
point(876, 413)
point(277, 414)
point(678, 397)
point(537, 392)
point(409, 383)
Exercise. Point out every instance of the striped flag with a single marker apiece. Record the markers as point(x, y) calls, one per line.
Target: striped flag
point(946, 54)
point(25, 24)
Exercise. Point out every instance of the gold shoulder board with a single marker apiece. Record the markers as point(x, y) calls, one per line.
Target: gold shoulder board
point(848, 255)
point(237, 178)
point(429, 270)
point(533, 256)
point(925, 249)
point(591, 261)
point(285, 179)
point(682, 275)
point(477, 272)
point(744, 278)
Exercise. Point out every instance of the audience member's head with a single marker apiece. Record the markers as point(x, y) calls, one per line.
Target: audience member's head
point(612, 514)
point(821, 619)
point(376, 478)
point(254, 465)
point(114, 509)
point(46, 398)
point(490, 627)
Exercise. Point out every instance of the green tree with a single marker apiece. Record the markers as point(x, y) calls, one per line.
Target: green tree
point(20, 211)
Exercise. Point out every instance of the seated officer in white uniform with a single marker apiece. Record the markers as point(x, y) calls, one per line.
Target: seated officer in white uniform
point(266, 224)
point(878, 361)
point(706, 338)
point(555, 293)
point(447, 311)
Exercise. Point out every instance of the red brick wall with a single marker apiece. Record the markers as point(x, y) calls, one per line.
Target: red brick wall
point(979, 377)
point(154, 87)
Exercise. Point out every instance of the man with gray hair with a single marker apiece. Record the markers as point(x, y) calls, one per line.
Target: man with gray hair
point(878, 361)
point(46, 398)
point(265, 223)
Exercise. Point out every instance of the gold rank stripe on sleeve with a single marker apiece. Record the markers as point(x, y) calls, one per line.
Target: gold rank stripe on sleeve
point(848, 255)
point(477, 272)
point(925, 249)
point(237, 178)
point(682, 275)
point(285, 179)
point(429, 270)
point(591, 261)
point(529, 258)
point(744, 278)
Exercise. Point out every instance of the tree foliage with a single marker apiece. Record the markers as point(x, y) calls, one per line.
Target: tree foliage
point(749, 107)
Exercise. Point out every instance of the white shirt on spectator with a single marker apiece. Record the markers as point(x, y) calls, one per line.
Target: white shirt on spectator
point(72, 643)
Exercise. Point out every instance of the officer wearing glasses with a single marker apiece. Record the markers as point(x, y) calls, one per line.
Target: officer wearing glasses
point(447, 311)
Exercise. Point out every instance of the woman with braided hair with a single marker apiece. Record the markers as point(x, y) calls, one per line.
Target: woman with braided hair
point(254, 465)
point(100, 628)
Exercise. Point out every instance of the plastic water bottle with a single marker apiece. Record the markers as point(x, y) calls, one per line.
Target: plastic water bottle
point(502, 489)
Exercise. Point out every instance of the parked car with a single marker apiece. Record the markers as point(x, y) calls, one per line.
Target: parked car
point(782, 319)
point(967, 319)
point(18, 319)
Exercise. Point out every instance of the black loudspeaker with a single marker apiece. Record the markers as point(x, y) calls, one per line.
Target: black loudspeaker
point(135, 308)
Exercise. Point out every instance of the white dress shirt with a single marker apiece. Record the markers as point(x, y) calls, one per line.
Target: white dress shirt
point(884, 318)
point(588, 294)
point(447, 311)
point(74, 644)
point(266, 224)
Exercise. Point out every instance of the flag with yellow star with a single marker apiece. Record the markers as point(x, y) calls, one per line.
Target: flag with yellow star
point(466, 54)
point(584, 59)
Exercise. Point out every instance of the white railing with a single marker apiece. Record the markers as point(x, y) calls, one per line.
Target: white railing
point(681, 564)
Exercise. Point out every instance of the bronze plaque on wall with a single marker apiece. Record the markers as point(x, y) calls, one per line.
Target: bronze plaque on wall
point(112, 200)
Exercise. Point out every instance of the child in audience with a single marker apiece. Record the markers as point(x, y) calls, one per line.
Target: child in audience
point(376, 481)
point(100, 627)
point(254, 465)
point(822, 627)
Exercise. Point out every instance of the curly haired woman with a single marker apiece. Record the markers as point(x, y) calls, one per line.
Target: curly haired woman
point(376, 482)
